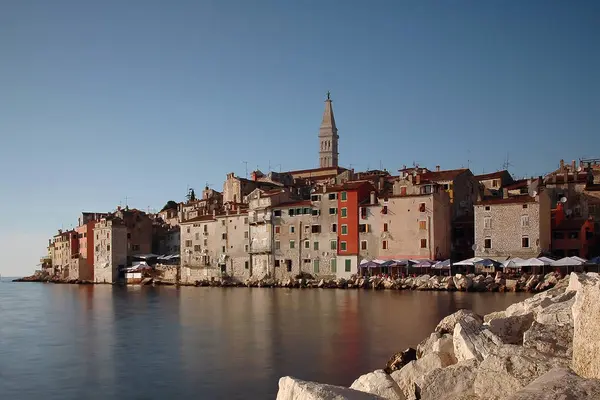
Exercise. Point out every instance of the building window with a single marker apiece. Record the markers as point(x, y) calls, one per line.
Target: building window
point(316, 213)
point(222, 249)
point(348, 265)
point(298, 211)
point(205, 228)
point(306, 211)
point(196, 247)
point(315, 245)
point(333, 244)
point(344, 196)
point(487, 208)
point(333, 265)
point(291, 212)
point(422, 207)
point(495, 183)
point(573, 235)
point(344, 229)
point(288, 264)
point(423, 243)
point(333, 227)
point(316, 229)
point(315, 197)
point(276, 263)
point(422, 225)
point(525, 242)
point(277, 213)
point(363, 245)
point(363, 212)
point(292, 229)
point(246, 248)
point(223, 222)
point(188, 229)
point(343, 246)
point(332, 211)
point(487, 222)
point(277, 245)
point(524, 221)
point(246, 265)
point(246, 220)
point(292, 244)
point(197, 236)
point(108, 247)
point(344, 212)
point(129, 234)
point(316, 266)
point(306, 244)
point(524, 205)
point(384, 245)
point(363, 228)
point(206, 242)
point(224, 236)
point(332, 196)
point(188, 243)
point(385, 227)
point(487, 243)
point(136, 247)
point(246, 235)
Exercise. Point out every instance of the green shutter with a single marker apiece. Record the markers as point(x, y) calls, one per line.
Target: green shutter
point(334, 245)
point(348, 265)
point(316, 245)
point(344, 196)
point(333, 265)
point(316, 266)
point(344, 212)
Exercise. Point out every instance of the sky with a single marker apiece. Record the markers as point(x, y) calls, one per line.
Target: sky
point(107, 102)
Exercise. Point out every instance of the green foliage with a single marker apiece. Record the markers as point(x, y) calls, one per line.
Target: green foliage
point(171, 205)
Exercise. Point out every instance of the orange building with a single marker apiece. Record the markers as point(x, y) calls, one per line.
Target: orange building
point(571, 236)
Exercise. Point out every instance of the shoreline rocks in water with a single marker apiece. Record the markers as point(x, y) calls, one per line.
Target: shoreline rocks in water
point(545, 347)
point(458, 282)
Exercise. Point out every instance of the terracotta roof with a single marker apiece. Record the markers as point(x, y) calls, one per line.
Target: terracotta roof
point(510, 200)
point(492, 175)
point(570, 224)
point(351, 185)
point(580, 177)
point(269, 193)
point(448, 175)
point(200, 218)
point(302, 171)
point(521, 183)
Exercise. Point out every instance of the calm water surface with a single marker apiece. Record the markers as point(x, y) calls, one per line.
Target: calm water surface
point(104, 342)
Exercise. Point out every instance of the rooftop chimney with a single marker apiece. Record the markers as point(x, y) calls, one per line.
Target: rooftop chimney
point(437, 168)
point(562, 164)
point(372, 199)
point(573, 165)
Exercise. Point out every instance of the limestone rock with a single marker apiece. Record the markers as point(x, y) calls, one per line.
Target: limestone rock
point(451, 383)
point(586, 323)
point(296, 389)
point(400, 359)
point(496, 314)
point(426, 346)
point(576, 280)
point(559, 384)
point(380, 384)
point(473, 340)
point(447, 324)
point(509, 369)
point(436, 343)
point(479, 283)
point(550, 339)
point(511, 329)
point(409, 378)
point(462, 282)
point(559, 313)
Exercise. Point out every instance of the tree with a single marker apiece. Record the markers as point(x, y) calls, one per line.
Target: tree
point(171, 205)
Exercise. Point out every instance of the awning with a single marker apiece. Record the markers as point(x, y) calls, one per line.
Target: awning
point(469, 262)
point(442, 264)
point(567, 262)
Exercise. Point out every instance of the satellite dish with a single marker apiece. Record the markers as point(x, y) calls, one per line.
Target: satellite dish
point(535, 193)
point(313, 190)
point(579, 169)
point(563, 199)
point(474, 247)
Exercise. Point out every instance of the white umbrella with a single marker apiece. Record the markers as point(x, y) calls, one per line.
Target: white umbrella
point(583, 260)
point(566, 262)
point(469, 262)
point(546, 260)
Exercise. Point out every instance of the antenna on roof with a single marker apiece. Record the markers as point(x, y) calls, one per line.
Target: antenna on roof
point(506, 163)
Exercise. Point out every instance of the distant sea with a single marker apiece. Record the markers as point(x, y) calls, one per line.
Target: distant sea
point(105, 342)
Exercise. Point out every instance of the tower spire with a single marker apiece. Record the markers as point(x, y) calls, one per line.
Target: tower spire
point(328, 137)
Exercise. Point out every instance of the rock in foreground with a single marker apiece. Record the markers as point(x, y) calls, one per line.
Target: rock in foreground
point(559, 384)
point(296, 389)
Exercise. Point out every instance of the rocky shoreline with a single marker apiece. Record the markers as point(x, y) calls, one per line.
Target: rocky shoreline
point(545, 348)
point(458, 282)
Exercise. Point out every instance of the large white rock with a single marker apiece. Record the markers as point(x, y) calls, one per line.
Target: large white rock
point(447, 324)
point(577, 279)
point(559, 384)
point(511, 329)
point(445, 345)
point(436, 343)
point(450, 383)
point(379, 383)
point(551, 339)
point(462, 282)
point(559, 313)
point(473, 340)
point(586, 323)
point(296, 389)
point(509, 369)
point(493, 315)
point(426, 346)
point(410, 376)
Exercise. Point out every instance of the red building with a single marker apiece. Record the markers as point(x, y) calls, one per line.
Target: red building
point(571, 236)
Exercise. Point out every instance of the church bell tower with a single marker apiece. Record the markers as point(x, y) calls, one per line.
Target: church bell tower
point(328, 137)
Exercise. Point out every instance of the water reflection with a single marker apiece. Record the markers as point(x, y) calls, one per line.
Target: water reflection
point(103, 342)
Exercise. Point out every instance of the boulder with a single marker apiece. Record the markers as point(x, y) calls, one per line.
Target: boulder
point(447, 324)
point(551, 339)
point(426, 346)
point(462, 282)
point(577, 279)
point(559, 384)
point(389, 284)
point(558, 313)
point(451, 383)
point(436, 343)
point(380, 384)
point(321, 283)
point(511, 368)
point(400, 359)
point(296, 389)
point(511, 285)
point(479, 283)
point(473, 340)
point(496, 314)
point(511, 329)
point(410, 377)
point(586, 324)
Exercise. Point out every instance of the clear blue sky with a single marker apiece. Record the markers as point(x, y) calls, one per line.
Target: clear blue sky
point(102, 100)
